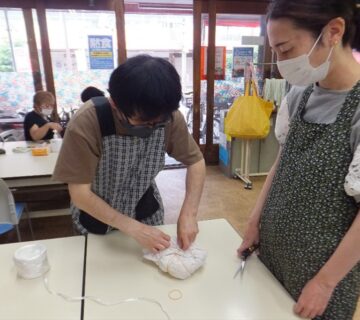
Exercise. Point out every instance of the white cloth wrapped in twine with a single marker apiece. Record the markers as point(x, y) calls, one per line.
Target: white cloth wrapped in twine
point(179, 263)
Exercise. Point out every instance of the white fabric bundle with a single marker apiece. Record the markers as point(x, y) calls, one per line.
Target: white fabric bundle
point(177, 262)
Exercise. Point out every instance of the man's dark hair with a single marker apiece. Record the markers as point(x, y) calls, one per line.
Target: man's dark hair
point(91, 92)
point(146, 86)
point(314, 15)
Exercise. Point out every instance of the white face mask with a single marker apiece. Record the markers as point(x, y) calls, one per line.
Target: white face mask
point(46, 112)
point(299, 72)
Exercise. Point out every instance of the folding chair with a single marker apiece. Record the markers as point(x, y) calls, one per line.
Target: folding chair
point(8, 135)
point(11, 212)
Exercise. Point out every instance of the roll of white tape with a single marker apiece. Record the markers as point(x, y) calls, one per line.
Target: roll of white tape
point(31, 261)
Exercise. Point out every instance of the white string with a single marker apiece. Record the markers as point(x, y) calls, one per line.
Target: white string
point(31, 262)
point(100, 301)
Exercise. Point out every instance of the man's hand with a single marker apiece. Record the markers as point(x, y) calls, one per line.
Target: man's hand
point(314, 299)
point(150, 237)
point(187, 229)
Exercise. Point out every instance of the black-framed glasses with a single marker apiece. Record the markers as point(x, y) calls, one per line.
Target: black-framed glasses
point(149, 124)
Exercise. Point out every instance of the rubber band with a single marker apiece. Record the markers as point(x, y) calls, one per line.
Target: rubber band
point(175, 294)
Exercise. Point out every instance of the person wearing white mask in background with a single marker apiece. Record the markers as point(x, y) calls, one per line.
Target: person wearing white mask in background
point(307, 220)
point(37, 124)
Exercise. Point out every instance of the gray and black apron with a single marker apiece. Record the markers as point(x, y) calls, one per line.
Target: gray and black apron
point(125, 176)
point(307, 212)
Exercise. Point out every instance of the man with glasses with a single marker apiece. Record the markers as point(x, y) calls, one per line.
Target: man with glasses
point(37, 123)
point(114, 148)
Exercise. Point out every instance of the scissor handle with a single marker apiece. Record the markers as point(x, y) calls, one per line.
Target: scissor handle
point(249, 251)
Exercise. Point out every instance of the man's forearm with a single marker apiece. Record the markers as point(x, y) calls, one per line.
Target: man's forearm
point(147, 236)
point(84, 199)
point(195, 177)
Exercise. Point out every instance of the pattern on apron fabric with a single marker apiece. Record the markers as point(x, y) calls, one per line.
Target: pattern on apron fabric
point(126, 170)
point(307, 212)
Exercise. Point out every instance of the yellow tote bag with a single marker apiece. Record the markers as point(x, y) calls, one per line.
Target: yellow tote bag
point(249, 116)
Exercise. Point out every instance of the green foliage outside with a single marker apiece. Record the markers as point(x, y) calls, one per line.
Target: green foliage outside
point(5, 59)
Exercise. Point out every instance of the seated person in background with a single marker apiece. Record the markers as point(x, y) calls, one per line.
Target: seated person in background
point(91, 92)
point(37, 124)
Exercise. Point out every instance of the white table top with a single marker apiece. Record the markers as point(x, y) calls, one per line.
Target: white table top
point(116, 271)
point(28, 299)
point(25, 165)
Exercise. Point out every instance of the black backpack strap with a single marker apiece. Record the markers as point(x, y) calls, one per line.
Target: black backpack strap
point(105, 116)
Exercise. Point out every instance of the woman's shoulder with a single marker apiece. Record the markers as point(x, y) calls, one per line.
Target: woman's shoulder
point(356, 120)
point(31, 116)
point(30, 113)
point(293, 99)
point(296, 92)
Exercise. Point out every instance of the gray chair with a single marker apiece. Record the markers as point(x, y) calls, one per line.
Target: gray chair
point(8, 135)
point(11, 212)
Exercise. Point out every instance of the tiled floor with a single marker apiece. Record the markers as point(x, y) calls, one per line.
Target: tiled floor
point(222, 198)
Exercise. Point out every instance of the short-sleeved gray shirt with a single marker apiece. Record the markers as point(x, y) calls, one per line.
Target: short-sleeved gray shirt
point(323, 107)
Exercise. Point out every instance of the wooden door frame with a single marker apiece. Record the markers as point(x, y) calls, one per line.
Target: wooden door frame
point(33, 49)
point(118, 6)
point(212, 8)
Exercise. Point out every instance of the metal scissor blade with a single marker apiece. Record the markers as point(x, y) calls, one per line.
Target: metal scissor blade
point(245, 254)
point(240, 269)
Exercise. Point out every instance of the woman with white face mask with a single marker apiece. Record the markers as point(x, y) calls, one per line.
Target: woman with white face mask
point(307, 219)
point(37, 124)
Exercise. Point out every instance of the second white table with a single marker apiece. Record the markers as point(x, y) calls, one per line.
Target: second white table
point(28, 299)
point(116, 271)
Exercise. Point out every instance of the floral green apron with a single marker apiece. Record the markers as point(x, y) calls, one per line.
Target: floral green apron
point(307, 212)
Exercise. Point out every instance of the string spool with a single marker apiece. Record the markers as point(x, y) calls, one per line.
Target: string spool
point(31, 261)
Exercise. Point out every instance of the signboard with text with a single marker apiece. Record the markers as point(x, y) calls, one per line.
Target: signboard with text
point(220, 63)
point(101, 52)
point(241, 56)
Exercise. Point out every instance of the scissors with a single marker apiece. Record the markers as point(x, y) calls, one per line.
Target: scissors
point(246, 253)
